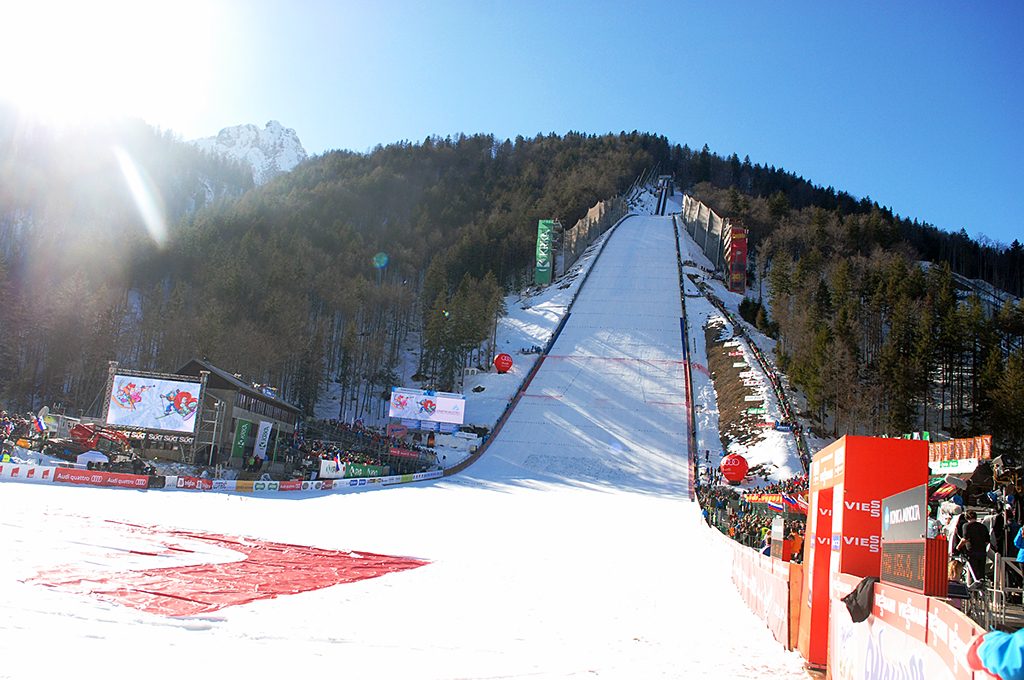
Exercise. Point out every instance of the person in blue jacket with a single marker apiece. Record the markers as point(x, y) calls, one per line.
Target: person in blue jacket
point(1013, 579)
point(999, 654)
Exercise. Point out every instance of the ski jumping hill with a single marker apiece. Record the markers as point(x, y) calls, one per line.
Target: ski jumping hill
point(607, 405)
point(570, 549)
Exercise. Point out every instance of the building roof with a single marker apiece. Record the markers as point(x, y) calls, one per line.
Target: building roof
point(194, 366)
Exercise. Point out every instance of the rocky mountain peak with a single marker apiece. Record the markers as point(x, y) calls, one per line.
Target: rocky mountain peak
point(269, 151)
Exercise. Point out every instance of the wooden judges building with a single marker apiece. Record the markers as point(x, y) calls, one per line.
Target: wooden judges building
point(239, 419)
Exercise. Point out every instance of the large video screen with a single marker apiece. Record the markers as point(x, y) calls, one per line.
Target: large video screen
point(435, 407)
point(154, 403)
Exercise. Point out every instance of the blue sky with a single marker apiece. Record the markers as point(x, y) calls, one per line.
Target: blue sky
point(915, 104)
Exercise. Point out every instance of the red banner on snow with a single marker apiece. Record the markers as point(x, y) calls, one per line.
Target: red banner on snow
point(264, 570)
point(99, 478)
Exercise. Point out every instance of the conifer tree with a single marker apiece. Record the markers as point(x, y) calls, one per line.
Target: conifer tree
point(924, 358)
point(1009, 404)
point(436, 340)
point(778, 205)
point(897, 366)
point(7, 333)
point(988, 384)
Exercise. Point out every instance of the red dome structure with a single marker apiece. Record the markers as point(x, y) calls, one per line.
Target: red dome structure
point(734, 468)
point(503, 362)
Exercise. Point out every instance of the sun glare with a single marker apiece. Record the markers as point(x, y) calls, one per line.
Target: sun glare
point(71, 61)
point(146, 197)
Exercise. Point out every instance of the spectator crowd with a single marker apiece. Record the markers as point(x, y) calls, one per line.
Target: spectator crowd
point(13, 426)
point(357, 443)
point(317, 450)
point(359, 436)
point(794, 485)
point(749, 523)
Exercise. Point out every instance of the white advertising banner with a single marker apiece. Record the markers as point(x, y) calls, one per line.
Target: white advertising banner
point(434, 407)
point(263, 439)
point(954, 466)
point(153, 403)
point(331, 469)
point(23, 472)
point(878, 649)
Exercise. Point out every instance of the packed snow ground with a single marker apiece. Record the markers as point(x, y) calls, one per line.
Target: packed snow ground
point(569, 550)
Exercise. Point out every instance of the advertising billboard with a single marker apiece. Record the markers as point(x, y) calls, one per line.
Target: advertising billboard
point(262, 439)
point(736, 258)
point(905, 515)
point(242, 429)
point(542, 272)
point(139, 401)
point(331, 469)
point(961, 449)
point(844, 530)
point(427, 406)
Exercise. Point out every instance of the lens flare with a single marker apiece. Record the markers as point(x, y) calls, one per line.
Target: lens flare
point(380, 260)
point(147, 200)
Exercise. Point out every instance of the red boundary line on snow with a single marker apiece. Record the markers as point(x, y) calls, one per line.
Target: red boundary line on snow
point(593, 358)
point(691, 419)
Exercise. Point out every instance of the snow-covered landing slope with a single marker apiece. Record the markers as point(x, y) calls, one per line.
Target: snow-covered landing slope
point(568, 551)
point(607, 405)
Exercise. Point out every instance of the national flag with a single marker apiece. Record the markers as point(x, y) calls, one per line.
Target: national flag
point(795, 503)
point(774, 505)
point(38, 425)
point(337, 463)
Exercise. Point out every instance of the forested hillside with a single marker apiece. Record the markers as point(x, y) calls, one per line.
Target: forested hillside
point(72, 244)
point(322, 273)
point(1001, 265)
point(877, 341)
point(318, 274)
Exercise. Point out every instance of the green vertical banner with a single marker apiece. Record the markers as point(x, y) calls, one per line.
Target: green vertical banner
point(542, 274)
point(242, 430)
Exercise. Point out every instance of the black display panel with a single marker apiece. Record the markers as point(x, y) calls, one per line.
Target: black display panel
point(903, 564)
